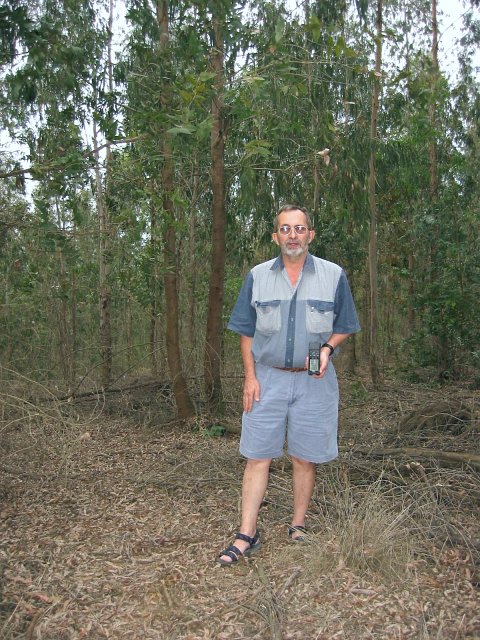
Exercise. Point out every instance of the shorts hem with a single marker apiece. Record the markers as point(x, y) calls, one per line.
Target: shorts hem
point(261, 456)
point(317, 461)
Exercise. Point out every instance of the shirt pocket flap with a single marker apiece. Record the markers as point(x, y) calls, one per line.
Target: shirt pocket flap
point(320, 305)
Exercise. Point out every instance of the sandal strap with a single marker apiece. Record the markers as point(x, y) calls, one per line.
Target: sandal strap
point(245, 538)
point(232, 552)
point(294, 529)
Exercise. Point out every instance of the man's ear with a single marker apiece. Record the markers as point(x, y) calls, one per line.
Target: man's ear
point(312, 235)
point(275, 239)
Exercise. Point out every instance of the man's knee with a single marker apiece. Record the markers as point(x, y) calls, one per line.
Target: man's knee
point(262, 463)
point(302, 464)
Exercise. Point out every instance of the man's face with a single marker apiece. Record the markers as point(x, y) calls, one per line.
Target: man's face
point(293, 244)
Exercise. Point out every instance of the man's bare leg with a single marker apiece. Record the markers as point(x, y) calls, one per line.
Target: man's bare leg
point(255, 481)
point(303, 485)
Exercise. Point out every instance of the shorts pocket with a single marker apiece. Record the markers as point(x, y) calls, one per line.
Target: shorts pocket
point(268, 316)
point(319, 316)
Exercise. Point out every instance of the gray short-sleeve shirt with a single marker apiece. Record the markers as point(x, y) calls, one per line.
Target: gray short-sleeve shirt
point(283, 319)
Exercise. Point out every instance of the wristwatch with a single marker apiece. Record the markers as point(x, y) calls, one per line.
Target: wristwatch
point(329, 346)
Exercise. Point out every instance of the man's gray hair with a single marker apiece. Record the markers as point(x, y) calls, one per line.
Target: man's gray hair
point(292, 207)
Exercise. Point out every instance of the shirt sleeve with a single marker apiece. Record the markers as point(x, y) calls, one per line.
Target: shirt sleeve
point(244, 317)
point(345, 314)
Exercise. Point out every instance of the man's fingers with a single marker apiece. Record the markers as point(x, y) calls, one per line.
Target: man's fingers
point(251, 393)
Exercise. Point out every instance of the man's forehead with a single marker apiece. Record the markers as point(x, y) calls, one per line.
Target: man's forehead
point(294, 216)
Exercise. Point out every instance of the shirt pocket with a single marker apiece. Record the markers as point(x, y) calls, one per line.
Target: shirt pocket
point(319, 316)
point(268, 316)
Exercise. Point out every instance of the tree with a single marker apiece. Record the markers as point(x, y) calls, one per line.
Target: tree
point(214, 334)
point(372, 178)
point(184, 404)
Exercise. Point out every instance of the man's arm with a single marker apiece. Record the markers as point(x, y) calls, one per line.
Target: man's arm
point(251, 386)
point(345, 323)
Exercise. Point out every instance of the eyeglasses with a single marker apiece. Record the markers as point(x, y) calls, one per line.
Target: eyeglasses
point(286, 229)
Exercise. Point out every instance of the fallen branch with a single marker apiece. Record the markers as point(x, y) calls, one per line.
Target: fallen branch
point(452, 414)
point(151, 384)
point(452, 457)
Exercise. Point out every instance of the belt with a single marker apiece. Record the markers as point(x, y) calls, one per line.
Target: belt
point(291, 369)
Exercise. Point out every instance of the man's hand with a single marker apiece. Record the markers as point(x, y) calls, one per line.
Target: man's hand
point(251, 393)
point(324, 360)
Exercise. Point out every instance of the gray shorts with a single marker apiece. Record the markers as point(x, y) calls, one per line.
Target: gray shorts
point(297, 406)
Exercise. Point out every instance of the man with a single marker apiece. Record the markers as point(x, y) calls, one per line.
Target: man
point(285, 304)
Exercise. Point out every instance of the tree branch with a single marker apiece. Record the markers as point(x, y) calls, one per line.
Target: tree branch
point(46, 168)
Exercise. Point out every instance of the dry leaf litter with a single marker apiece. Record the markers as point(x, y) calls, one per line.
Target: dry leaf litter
point(110, 528)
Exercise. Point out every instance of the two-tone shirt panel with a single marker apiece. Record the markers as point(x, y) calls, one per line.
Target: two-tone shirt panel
point(283, 319)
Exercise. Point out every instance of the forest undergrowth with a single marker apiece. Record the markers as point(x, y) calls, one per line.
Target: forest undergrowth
point(112, 515)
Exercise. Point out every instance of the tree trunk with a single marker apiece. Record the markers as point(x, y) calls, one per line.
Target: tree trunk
point(350, 352)
point(154, 278)
point(193, 271)
point(444, 352)
point(129, 331)
point(184, 404)
point(73, 316)
point(62, 309)
point(104, 245)
point(213, 344)
point(433, 105)
point(411, 294)
point(104, 288)
point(372, 245)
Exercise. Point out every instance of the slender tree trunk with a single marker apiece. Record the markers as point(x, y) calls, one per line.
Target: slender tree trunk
point(62, 309)
point(433, 104)
point(104, 292)
point(104, 246)
point(411, 294)
point(154, 278)
point(411, 313)
point(443, 350)
point(193, 271)
point(184, 404)
point(73, 315)
point(350, 352)
point(129, 331)
point(213, 344)
point(372, 177)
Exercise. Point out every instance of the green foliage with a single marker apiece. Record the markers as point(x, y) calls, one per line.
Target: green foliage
point(215, 431)
point(296, 85)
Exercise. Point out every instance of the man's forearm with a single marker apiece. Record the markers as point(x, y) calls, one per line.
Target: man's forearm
point(247, 356)
point(336, 339)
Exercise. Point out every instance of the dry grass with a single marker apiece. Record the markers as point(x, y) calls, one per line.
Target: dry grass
point(114, 534)
point(368, 530)
point(37, 428)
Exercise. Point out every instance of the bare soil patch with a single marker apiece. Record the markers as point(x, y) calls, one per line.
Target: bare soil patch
point(110, 526)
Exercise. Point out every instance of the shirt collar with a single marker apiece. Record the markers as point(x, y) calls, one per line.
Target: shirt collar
point(308, 265)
